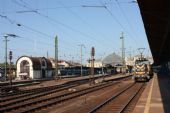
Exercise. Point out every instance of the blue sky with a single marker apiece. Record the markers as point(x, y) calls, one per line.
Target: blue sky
point(42, 20)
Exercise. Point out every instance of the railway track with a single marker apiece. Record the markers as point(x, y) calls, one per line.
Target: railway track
point(24, 93)
point(119, 102)
point(25, 97)
point(43, 97)
point(42, 89)
point(35, 92)
point(32, 105)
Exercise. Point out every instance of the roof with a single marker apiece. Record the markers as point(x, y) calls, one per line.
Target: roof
point(49, 64)
point(156, 18)
point(112, 59)
point(37, 62)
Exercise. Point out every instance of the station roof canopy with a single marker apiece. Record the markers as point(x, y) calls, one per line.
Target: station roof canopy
point(156, 19)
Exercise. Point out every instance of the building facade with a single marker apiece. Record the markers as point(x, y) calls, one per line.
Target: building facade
point(97, 63)
point(34, 68)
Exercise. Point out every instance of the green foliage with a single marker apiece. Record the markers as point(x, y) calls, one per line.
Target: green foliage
point(3, 65)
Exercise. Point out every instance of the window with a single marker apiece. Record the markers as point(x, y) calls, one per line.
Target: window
point(43, 63)
point(24, 67)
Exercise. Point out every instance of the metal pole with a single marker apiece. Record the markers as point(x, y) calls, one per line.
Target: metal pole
point(6, 57)
point(92, 64)
point(102, 68)
point(102, 71)
point(10, 73)
point(123, 62)
point(56, 57)
point(92, 68)
point(6, 36)
point(81, 62)
point(122, 49)
point(123, 52)
point(130, 53)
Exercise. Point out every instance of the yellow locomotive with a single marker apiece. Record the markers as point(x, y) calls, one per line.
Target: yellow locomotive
point(142, 70)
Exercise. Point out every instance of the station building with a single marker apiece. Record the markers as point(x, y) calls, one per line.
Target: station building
point(34, 68)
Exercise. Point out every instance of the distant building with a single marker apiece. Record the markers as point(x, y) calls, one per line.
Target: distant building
point(63, 63)
point(112, 59)
point(34, 67)
point(97, 63)
point(40, 67)
point(130, 61)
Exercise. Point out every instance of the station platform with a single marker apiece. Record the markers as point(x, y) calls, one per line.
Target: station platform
point(156, 96)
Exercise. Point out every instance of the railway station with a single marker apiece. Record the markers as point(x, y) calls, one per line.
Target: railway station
point(110, 84)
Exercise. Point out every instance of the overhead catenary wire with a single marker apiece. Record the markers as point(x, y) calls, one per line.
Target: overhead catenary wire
point(19, 50)
point(60, 7)
point(27, 52)
point(27, 27)
point(56, 22)
point(119, 23)
point(38, 9)
point(59, 23)
point(85, 22)
point(63, 7)
point(24, 26)
point(39, 42)
point(53, 20)
point(127, 20)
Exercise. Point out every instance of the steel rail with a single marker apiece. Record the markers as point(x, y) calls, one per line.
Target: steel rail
point(55, 99)
point(111, 99)
point(131, 99)
point(81, 81)
point(39, 90)
point(32, 96)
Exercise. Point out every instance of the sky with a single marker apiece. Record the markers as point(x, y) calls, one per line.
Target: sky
point(93, 23)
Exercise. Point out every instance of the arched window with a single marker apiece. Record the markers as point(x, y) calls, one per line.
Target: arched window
point(43, 63)
point(24, 67)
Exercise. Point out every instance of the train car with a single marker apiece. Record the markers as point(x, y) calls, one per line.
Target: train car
point(142, 70)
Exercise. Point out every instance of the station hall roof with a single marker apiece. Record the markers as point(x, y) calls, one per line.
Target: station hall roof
point(112, 59)
point(156, 19)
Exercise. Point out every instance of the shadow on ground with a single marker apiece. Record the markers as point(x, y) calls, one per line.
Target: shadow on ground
point(164, 84)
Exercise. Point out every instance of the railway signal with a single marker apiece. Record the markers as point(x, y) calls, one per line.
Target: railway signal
point(92, 66)
point(56, 58)
point(10, 74)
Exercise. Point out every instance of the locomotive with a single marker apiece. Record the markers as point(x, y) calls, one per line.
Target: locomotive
point(142, 70)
